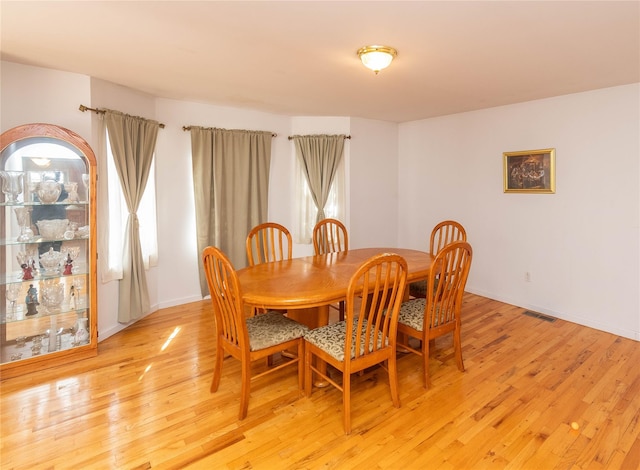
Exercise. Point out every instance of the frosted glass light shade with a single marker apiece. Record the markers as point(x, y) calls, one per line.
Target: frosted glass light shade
point(377, 58)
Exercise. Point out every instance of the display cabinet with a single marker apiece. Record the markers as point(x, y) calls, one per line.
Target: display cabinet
point(47, 249)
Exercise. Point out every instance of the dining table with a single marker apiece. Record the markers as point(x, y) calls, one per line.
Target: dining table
point(306, 286)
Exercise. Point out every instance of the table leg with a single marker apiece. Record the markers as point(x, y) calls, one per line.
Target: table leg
point(313, 318)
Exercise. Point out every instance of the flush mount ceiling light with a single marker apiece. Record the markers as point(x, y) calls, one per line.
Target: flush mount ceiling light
point(377, 58)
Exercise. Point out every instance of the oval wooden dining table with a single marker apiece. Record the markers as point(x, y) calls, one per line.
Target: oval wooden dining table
point(305, 287)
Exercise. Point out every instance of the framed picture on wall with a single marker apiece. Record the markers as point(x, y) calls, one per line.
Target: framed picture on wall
point(530, 171)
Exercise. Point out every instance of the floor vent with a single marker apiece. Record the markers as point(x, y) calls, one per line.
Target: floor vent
point(539, 315)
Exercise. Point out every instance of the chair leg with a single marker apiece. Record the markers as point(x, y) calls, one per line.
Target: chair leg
point(393, 380)
point(457, 346)
point(308, 375)
point(244, 389)
point(346, 401)
point(301, 363)
point(425, 362)
point(217, 368)
point(341, 310)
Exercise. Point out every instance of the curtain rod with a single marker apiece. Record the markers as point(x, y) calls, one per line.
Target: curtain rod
point(346, 137)
point(84, 108)
point(188, 128)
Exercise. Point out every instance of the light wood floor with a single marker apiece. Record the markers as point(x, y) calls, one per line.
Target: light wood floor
point(144, 402)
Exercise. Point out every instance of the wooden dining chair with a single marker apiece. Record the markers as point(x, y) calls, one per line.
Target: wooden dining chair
point(439, 313)
point(331, 236)
point(268, 242)
point(368, 335)
point(247, 339)
point(442, 234)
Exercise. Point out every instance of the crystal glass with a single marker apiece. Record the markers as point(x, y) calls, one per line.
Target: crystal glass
point(51, 261)
point(52, 229)
point(78, 284)
point(13, 291)
point(72, 189)
point(12, 185)
point(51, 294)
point(48, 191)
point(85, 182)
point(23, 214)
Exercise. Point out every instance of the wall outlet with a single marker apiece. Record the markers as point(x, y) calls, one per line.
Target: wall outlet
point(527, 276)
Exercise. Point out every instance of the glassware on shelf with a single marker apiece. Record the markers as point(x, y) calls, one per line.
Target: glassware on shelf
point(78, 283)
point(48, 191)
point(23, 214)
point(83, 232)
point(36, 348)
point(72, 190)
point(85, 182)
point(52, 229)
point(51, 294)
point(12, 185)
point(51, 261)
point(13, 291)
point(82, 331)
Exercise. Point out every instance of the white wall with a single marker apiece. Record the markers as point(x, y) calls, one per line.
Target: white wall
point(581, 245)
point(33, 94)
point(373, 184)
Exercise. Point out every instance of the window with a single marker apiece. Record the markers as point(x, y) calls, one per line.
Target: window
point(306, 209)
point(118, 214)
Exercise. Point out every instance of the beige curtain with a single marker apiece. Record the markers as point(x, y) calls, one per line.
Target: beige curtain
point(319, 156)
point(231, 187)
point(133, 141)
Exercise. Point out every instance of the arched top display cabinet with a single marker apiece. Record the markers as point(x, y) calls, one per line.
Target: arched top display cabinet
point(47, 249)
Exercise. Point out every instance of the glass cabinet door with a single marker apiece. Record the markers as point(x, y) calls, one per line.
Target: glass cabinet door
point(47, 249)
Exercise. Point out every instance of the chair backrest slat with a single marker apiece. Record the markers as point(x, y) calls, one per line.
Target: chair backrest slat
point(330, 236)
point(268, 242)
point(379, 286)
point(226, 295)
point(444, 233)
point(446, 285)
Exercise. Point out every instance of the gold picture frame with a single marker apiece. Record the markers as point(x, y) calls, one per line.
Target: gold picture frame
point(530, 171)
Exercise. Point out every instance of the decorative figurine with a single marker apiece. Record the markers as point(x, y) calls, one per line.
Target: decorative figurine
point(72, 298)
point(32, 300)
point(68, 265)
point(27, 272)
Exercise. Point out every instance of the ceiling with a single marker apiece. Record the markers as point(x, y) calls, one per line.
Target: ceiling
point(298, 58)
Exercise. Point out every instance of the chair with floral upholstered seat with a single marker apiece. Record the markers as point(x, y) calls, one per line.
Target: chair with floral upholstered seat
point(439, 313)
point(247, 339)
point(367, 336)
point(331, 236)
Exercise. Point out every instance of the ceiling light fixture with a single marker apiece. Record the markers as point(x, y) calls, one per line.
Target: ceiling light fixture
point(377, 58)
